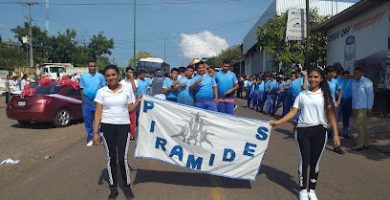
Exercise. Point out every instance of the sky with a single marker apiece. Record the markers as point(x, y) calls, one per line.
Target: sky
point(189, 28)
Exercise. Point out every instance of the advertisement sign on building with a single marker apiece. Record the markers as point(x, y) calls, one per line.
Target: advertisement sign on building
point(296, 29)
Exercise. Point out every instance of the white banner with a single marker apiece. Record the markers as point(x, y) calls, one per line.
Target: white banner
point(296, 27)
point(201, 140)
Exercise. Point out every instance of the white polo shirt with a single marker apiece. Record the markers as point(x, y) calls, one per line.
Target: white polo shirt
point(115, 105)
point(128, 84)
point(312, 109)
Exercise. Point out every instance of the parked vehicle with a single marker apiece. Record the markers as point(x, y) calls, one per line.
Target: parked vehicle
point(59, 104)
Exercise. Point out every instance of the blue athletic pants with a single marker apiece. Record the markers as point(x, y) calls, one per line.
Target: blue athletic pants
point(89, 108)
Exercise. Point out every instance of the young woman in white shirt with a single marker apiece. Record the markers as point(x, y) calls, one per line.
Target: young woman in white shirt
point(113, 104)
point(317, 108)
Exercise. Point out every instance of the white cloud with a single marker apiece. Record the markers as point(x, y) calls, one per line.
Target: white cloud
point(202, 45)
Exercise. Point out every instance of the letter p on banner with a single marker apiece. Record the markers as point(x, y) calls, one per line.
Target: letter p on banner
point(201, 140)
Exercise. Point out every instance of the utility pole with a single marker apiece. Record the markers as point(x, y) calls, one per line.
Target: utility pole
point(307, 43)
point(30, 36)
point(165, 49)
point(47, 17)
point(135, 43)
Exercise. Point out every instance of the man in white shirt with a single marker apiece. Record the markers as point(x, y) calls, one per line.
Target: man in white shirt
point(131, 85)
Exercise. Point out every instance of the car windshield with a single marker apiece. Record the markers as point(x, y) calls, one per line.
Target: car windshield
point(56, 70)
point(51, 89)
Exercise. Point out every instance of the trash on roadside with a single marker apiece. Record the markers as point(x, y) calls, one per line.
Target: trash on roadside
point(47, 157)
point(9, 161)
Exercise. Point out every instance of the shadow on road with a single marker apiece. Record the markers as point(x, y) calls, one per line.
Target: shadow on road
point(281, 178)
point(188, 179)
point(289, 134)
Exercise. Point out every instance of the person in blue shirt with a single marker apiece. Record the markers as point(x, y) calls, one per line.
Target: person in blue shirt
point(260, 95)
point(280, 95)
point(170, 84)
point(288, 101)
point(205, 88)
point(265, 94)
point(270, 90)
point(227, 84)
point(90, 83)
point(143, 88)
point(143, 84)
point(345, 107)
point(335, 90)
point(185, 96)
point(362, 103)
point(248, 86)
point(254, 92)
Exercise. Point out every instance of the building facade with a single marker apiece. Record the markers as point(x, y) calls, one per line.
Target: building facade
point(256, 60)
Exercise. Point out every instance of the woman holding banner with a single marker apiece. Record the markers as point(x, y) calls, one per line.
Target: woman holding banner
point(113, 104)
point(317, 108)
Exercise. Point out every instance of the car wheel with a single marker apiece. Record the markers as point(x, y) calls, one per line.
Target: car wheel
point(24, 123)
point(63, 118)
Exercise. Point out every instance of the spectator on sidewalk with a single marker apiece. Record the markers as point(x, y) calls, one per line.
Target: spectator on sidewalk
point(345, 107)
point(7, 89)
point(280, 95)
point(362, 103)
point(90, 83)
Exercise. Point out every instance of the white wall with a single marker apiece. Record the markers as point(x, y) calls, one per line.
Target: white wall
point(370, 37)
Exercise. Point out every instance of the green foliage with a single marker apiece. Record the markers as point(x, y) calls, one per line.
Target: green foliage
point(271, 38)
point(233, 54)
point(12, 55)
point(60, 48)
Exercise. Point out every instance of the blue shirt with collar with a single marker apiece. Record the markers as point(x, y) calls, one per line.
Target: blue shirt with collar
point(185, 96)
point(346, 87)
point(333, 87)
point(272, 87)
point(296, 86)
point(167, 84)
point(142, 86)
point(362, 93)
point(225, 82)
point(91, 83)
point(204, 90)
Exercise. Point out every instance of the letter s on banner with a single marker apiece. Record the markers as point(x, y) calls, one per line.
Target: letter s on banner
point(262, 133)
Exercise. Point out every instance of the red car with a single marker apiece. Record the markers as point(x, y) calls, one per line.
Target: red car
point(59, 104)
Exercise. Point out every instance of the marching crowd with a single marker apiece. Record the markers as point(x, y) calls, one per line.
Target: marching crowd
point(312, 99)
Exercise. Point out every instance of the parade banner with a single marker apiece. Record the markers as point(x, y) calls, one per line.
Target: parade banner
point(201, 140)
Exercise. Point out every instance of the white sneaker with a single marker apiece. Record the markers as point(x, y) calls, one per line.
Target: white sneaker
point(312, 195)
point(90, 143)
point(303, 195)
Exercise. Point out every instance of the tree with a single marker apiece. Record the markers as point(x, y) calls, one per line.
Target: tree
point(99, 45)
point(271, 38)
point(139, 55)
point(232, 53)
point(12, 55)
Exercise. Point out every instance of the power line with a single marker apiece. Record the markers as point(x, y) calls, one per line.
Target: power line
point(127, 3)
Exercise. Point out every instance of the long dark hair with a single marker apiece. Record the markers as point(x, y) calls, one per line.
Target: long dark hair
point(328, 99)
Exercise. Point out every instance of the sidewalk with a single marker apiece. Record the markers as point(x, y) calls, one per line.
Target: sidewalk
point(379, 130)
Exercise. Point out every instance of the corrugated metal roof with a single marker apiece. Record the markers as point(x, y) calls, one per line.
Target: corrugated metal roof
point(348, 13)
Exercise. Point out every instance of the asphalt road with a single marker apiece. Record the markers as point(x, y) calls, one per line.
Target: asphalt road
point(78, 172)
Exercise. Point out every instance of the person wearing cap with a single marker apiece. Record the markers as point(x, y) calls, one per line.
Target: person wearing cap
point(227, 84)
point(205, 89)
point(280, 95)
point(170, 84)
point(131, 85)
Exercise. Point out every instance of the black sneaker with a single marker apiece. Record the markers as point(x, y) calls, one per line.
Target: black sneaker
point(113, 193)
point(338, 150)
point(128, 193)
